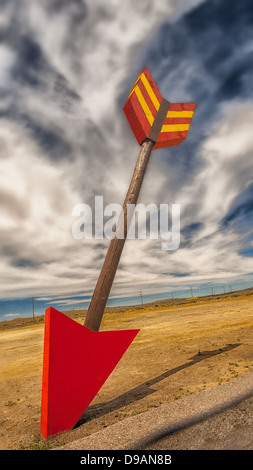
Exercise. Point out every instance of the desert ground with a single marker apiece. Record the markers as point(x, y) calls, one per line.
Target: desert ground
point(182, 348)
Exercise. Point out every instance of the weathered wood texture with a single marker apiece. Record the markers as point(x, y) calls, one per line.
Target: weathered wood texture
point(102, 290)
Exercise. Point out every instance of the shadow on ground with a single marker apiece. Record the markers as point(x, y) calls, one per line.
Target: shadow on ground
point(144, 390)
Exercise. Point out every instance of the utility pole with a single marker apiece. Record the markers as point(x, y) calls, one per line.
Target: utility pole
point(141, 297)
point(212, 290)
point(33, 307)
point(172, 295)
point(191, 291)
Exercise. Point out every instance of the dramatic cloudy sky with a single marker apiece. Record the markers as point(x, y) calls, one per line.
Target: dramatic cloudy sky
point(66, 69)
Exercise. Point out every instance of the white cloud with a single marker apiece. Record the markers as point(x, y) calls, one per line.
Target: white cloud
point(96, 53)
point(9, 315)
point(7, 59)
point(228, 169)
point(36, 219)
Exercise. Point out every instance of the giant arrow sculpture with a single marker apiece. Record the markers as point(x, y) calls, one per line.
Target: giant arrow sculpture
point(78, 358)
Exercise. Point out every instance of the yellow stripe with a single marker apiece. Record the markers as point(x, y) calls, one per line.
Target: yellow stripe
point(175, 127)
point(179, 114)
point(144, 105)
point(133, 89)
point(150, 92)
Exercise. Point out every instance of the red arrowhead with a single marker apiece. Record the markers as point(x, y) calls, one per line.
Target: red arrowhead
point(77, 362)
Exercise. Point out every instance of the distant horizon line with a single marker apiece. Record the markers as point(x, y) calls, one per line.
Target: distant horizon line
point(172, 299)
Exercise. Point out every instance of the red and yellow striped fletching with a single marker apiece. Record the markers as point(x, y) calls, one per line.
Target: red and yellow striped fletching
point(151, 116)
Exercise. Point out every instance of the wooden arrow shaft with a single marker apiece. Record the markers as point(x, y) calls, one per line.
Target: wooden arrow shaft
point(101, 293)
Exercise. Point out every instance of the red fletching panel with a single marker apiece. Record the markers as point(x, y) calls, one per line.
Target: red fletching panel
point(77, 362)
point(151, 116)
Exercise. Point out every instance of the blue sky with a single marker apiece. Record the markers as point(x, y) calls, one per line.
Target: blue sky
point(66, 71)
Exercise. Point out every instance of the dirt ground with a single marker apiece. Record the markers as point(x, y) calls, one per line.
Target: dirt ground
point(179, 351)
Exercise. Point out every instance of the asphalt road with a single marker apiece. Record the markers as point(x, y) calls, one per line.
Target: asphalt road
point(216, 419)
point(229, 430)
